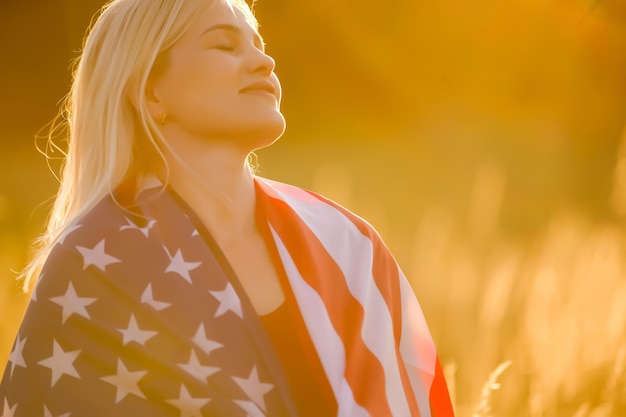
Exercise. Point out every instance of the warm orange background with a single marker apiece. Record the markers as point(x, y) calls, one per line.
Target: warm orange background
point(482, 138)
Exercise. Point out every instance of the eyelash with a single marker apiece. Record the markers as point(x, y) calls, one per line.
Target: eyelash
point(228, 48)
point(231, 47)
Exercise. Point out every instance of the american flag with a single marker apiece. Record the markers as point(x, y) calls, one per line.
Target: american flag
point(137, 313)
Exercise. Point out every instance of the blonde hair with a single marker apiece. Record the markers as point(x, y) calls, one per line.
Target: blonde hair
point(109, 129)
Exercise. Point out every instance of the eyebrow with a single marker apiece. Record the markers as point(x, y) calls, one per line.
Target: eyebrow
point(232, 28)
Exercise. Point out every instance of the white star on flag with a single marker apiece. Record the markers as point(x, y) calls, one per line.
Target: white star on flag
point(134, 334)
point(188, 406)
point(148, 298)
point(125, 382)
point(47, 413)
point(72, 303)
point(60, 363)
point(196, 369)
point(145, 230)
point(254, 388)
point(229, 301)
point(8, 411)
point(69, 232)
point(251, 409)
point(17, 356)
point(179, 266)
point(203, 342)
point(97, 256)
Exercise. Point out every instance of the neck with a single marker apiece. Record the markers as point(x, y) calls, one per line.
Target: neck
point(218, 186)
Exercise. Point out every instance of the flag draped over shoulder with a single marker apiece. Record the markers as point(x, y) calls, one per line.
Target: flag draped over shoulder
point(138, 313)
point(364, 319)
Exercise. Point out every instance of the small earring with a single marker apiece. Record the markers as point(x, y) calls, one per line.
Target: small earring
point(162, 117)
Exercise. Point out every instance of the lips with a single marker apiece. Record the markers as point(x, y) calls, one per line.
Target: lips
point(260, 86)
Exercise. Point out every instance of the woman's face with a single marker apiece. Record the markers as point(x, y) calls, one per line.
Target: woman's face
point(218, 83)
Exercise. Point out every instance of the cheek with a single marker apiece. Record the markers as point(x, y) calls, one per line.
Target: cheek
point(196, 74)
point(197, 86)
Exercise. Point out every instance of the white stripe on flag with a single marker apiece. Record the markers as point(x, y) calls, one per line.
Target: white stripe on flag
point(377, 331)
point(416, 347)
point(327, 342)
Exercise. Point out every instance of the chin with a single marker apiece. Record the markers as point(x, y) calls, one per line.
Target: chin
point(267, 133)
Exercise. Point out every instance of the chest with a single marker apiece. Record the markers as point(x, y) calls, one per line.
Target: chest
point(251, 261)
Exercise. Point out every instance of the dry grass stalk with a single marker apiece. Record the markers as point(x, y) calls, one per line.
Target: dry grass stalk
point(484, 408)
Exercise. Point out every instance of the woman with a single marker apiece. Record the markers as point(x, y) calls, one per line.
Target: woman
point(174, 282)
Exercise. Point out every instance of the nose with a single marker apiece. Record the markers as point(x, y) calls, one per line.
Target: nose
point(261, 62)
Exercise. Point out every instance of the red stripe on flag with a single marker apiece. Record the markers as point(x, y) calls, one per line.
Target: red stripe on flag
point(364, 372)
point(387, 280)
point(386, 276)
point(440, 403)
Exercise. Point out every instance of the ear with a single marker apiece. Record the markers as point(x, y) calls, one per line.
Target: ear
point(147, 96)
point(152, 100)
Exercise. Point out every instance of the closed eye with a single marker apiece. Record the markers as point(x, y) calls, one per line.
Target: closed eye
point(234, 33)
point(228, 48)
